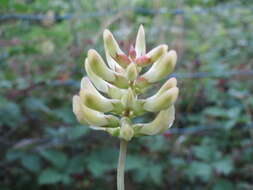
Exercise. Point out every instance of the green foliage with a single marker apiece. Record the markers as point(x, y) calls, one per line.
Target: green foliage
point(42, 146)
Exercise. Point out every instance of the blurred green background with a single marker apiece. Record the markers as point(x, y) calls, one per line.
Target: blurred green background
point(43, 44)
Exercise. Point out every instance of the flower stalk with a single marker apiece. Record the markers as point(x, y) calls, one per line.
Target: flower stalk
point(121, 165)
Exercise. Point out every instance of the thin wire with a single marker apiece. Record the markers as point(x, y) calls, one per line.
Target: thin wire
point(137, 10)
point(225, 74)
point(69, 16)
point(193, 130)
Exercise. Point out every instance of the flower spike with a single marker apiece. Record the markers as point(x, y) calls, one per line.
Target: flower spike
point(114, 87)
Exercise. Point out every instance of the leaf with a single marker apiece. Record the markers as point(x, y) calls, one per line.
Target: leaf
point(155, 173)
point(135, 162)
point(224, 166)
point(101, 161)
point(200, 169)
point(13, 155)
point(32, 162)
point(76, 164)
point(49, 176)
point(203, 152)
point(216, 112)
point(10, 113)
point(223, 185)
point(36, 104)
point(65, 114)
point(57, 158)
point(77, 131)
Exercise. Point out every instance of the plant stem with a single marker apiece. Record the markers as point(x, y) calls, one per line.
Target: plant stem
point(121, 165)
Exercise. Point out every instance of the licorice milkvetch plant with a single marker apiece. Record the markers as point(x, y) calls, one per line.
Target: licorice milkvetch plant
point(109, 97)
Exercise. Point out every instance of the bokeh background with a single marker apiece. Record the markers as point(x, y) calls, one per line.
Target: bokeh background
point(43, 44)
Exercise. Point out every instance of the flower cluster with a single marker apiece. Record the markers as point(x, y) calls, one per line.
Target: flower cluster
point(109, 98)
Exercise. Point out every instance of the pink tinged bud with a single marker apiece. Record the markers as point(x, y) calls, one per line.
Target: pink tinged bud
point(92, 117)
point(161, 68)
point(161, 102)
point(113, 64)
point(157, 52)
point(99, 67)
point(113, 49)
point(160, 124)
point(141, 83)
point(140, 44)
point(132, 72)
point(152, 56)
point(132, 52)
point(143, 61)
point(126, 131)
point(122, 59)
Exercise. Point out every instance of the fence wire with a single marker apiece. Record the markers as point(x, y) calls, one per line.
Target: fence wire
point(135, 10)
point(69, 16)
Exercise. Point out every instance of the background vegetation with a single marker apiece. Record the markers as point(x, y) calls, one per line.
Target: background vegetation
point(43, 44)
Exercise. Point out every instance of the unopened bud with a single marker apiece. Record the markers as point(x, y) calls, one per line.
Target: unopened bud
point(112, 47)
point(122, 59)
point(161, 68)
point(140, 44)
point(99, 67)
point(102, 85)
point(152, 56)
point(132, 72)
point(77, 109)
point(160, 124)
point(126, 131)
point(132, 52)
point(91, 116)
point(172, 82)
point(161, 102)
point(128, 99)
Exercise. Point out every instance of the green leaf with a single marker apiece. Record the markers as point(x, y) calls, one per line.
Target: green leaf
point(155, 173)
point(223, 185)
point(49, 176)
point(57, 158)
point(13, 155)
point(203, 152)
point(32, 162)
point(36, 104)
point(135, 162)
point(101, 161)
point(224, 166)
point(200, 169)
point(76, 164)
point(77, 131)
point(10, 113)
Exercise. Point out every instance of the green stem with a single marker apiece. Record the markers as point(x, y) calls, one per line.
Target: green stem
point(121, 165)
